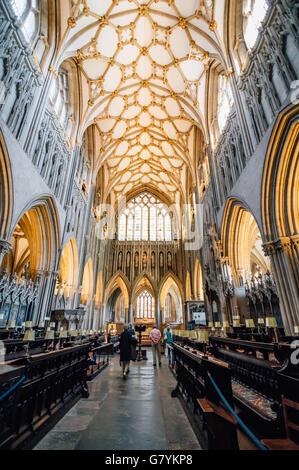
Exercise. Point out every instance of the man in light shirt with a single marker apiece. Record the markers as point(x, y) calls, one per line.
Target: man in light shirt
point(155, 337)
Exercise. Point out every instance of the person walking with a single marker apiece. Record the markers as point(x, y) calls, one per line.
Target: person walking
point(125, 350)
point(155, 337)
point(131, 330)
point(134, 343)
point(168, 338)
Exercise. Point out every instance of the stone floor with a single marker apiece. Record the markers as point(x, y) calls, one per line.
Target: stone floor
point(133, 414)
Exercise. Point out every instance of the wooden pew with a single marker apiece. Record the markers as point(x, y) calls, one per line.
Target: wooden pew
point(54, 381)
point(261, 374)
point(291, 429)
point(98, 359)
point(216, 428)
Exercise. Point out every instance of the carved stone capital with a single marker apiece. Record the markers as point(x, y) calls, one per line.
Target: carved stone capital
point(282, 244)
point(269, 248)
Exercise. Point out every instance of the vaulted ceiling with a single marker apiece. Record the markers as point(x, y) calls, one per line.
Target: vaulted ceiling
point(144, 64)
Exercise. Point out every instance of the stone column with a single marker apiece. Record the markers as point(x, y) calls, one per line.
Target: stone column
point(41, 279)
point(127, 314)
point(284, 260)
point(101, 318)
point(158, 314)
point(5, 248)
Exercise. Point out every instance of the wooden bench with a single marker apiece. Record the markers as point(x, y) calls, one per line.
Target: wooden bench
point(216, 429)
point(261, 374)
point(291, 428)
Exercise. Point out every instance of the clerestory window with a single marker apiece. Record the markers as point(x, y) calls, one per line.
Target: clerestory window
point(145, 218)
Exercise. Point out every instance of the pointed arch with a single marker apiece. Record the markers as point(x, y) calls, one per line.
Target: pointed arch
point(120, 281)
point(144, 299)
point(68, 269)
point(198, 281)
point(6, 191)
point(99, 290)
point(143, 280)
point(171, 287)
point(38, 227)
point(280, 211)
point(188, 286)
point(241, 241)
point(280, 187)
point(87, 283)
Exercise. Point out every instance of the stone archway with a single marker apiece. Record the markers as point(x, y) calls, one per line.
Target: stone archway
point(6, 199)
point(280, 209)
point(171, 287)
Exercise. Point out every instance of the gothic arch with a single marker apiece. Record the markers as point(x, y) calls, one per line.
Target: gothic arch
point(168, 279)
point(144, 285)
point(198, 281)
point(171, 285)
point(68, 269)
point(99, 290)
point(118, 281)
point(188, 287)
point(143, 278)
point(38, 225)
point(280, 209)
point(87, 283)
point(241, 240)
point(6, 193)
point(280, 187)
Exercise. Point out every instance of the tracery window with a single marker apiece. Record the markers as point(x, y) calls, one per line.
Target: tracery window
point(167, 307)
point(145, 306)
point(254, 12)
point(59, 95)
point(145, 218)
point(225, 101)
point(29, 14)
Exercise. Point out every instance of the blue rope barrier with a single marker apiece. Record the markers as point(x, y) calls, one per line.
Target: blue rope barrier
point(243, 425)
point(12, 388)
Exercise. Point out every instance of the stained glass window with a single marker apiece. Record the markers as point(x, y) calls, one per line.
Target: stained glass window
point(145, 306)
point(145, 218)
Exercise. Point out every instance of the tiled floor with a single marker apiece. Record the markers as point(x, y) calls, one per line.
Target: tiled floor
point(133, 414)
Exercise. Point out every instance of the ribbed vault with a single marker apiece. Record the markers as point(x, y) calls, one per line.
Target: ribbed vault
point(144, 64)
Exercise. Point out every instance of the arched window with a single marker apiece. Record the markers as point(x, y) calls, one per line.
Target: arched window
point(145, 218)
point(59, 96)
point(122, 227)
point(167, 228)
point(225, 101)
point(254, 12)
point(167, 307)
point(145, 306)
point(130, 230)
point(28, 11)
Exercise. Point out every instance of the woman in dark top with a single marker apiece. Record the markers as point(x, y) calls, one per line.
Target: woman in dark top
point(125, 350)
